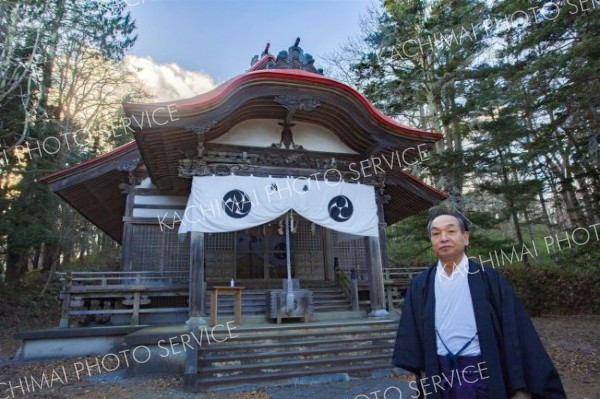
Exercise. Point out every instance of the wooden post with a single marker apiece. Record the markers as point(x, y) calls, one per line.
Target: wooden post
point(390, 298)
point(197, 284)
point(376, 290)
point(377, 250)
point(328, 254)
point(127, 247)
point(135, 317)
point(196, 301)
point(214, 305)
point(66, 297)
point(237, 306)
point(279, 307)
point(354, 289)
point(381, 199)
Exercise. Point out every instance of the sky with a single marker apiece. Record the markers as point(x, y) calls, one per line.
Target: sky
point(198, 44)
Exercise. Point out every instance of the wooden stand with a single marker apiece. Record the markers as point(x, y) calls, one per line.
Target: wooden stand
point(237, 302)
point(275, 301)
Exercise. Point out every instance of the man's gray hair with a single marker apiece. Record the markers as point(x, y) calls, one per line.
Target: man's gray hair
point(462, 221)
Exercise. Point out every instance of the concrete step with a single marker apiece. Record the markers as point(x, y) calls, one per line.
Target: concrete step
point(260, 355)
point(279, 378)
point(271, 353)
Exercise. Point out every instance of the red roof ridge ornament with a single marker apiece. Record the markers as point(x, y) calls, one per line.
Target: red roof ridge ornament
point(293, 58)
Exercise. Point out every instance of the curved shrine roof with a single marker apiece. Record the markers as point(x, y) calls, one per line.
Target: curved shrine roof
point(270, 89)
point(167, 130)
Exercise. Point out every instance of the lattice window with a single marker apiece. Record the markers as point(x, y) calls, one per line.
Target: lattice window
point(219, 256)
point(307, 246)
point(351, 255)
point(159, 250)
point(146, 247)
point(176, 252)
point(218, 241)
point(306, 240)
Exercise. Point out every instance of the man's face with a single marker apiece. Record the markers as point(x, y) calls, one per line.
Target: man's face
point(447, 239)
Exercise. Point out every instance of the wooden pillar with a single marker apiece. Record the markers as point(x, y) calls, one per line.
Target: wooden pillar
point(197, 306)
point(135, 317)
point(67, 283)
point(354, 290)
point(376, 289)
point(328, 254)
point(377, 257)
point(381, 199)
point(126, 248)
point(197, 292)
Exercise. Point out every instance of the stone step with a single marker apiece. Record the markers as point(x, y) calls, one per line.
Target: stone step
point(276, 341)
point(265, 354)
point(280, 378)
point(236, 369)
point(302, 334)
point(261, 355)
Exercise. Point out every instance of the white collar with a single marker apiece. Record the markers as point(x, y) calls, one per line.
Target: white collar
point(462, 268)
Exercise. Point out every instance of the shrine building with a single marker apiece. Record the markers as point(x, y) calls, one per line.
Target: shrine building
point(280, 181)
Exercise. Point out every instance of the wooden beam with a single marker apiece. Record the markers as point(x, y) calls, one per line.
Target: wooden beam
point(328, 254)
point(197, 284)
point(196, 299)
point(376, 257)
point(382, 233)
point(126, 263)
point(95, 168)
point(376, 288)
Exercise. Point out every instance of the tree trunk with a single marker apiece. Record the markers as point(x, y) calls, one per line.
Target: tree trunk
point(15, 264)
point(36, 257)
point(512, 208)
point(51, 256)
point(549, 223)
point(67, 254)
point(50, 55)
point(588, 212)
point(567, 191)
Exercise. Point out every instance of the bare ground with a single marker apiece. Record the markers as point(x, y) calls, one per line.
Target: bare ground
point(573, 342)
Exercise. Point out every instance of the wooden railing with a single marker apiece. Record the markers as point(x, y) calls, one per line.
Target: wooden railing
point(395, 282)
point(349, 283)
point(116, 293)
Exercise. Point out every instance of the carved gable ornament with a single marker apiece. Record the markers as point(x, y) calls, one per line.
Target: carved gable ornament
point(293, 58)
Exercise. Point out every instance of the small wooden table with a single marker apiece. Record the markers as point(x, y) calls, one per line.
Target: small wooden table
point(237, 302)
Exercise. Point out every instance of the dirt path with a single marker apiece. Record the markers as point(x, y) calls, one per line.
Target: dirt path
point(573, 343)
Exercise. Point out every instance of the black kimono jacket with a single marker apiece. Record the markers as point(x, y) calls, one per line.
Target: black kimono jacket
point(510, 347)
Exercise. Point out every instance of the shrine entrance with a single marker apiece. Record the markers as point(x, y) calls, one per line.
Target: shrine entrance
point(259, 253)
point(249, 255)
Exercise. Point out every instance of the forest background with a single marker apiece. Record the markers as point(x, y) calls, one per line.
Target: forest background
point(513, 85)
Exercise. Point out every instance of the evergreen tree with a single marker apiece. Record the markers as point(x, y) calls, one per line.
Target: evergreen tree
point(517, 99)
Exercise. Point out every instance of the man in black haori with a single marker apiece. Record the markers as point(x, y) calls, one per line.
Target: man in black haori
point(463, 331)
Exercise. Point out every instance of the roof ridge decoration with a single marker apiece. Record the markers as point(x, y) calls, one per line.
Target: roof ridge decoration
point(293, 58)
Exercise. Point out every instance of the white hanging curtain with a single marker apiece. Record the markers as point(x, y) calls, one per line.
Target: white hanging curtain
point(229, 203)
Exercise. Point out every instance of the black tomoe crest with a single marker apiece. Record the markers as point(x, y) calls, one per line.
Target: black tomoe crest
point(236, 204)
point(340, 208)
